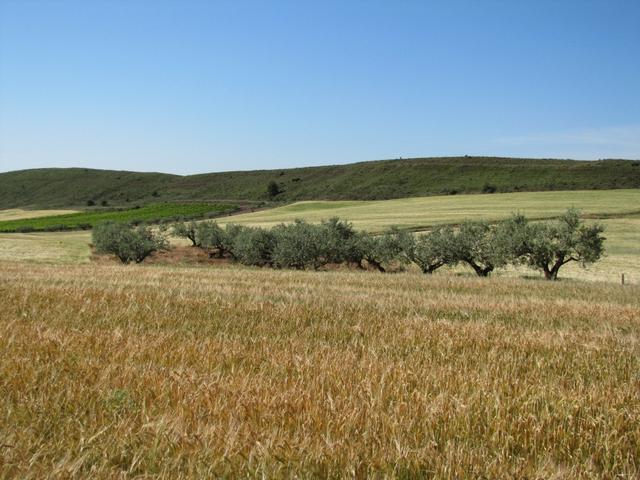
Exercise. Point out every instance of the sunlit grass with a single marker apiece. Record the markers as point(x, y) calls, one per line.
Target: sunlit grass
point(50, 247)
point(18, 213)
point(202, 372)
point(427, 211)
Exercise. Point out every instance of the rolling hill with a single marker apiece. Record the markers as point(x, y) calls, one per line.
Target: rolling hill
point(375, 180)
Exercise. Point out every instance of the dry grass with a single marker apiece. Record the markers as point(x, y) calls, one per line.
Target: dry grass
point(112, 371)
point(18, 213)
point(49, 247)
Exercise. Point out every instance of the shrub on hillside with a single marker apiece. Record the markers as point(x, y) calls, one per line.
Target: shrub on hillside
point(128, 243)
point(273, 189)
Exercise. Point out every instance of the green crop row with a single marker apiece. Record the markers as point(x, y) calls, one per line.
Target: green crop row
point(152, 213)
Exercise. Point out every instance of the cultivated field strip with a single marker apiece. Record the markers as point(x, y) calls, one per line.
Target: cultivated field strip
point(423, 212)
point(198, 372)
point(18, 213)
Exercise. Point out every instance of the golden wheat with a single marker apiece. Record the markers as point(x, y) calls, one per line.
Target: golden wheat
point(110, 371)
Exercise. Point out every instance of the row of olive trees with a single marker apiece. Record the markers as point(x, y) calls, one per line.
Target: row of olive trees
point(546, 246)
point(299, 245)
point(484, 247)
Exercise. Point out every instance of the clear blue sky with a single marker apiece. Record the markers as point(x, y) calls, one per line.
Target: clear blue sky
point(197, 86)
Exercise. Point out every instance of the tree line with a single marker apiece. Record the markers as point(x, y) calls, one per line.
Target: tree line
point(483, 246)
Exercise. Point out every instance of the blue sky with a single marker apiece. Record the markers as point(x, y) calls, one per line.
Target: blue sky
point(198, 86)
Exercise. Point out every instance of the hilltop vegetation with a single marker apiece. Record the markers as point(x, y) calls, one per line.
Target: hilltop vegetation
point(64, 187)
point(384, 179)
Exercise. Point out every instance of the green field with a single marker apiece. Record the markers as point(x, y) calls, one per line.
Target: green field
point(416, 213)
point(147, 213)
point(385, 179)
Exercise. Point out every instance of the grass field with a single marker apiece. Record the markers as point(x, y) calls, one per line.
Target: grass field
point(19, 214)
point(147, 213)
point(49, 247)
point(422, 212)
point(199, 372)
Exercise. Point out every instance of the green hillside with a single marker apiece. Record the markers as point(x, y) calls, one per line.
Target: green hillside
point(385, 179)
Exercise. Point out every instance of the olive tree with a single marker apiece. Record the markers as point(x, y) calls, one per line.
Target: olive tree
point(378, 251)
point(480, 246)
point(187, 230)
point(231, 232)
point(128, 243)
point(338, 241)
point(254, 246)
point(431, 250)
point(299, 245)
point(550, 245)
point(212, 237)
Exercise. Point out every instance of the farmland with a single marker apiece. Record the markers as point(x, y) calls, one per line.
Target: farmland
point(196, 371)
point(417, 213)
point(225, 255)
point(19, 213)
point(49, 247)
point(613, 208)
point(84, 220)
point(617, 209)
point(265, 373)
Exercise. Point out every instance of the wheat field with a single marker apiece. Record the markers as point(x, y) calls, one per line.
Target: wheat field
point(19, 213)
point(176, 372)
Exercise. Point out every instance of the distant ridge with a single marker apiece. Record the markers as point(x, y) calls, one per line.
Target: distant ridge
point(382, 179)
